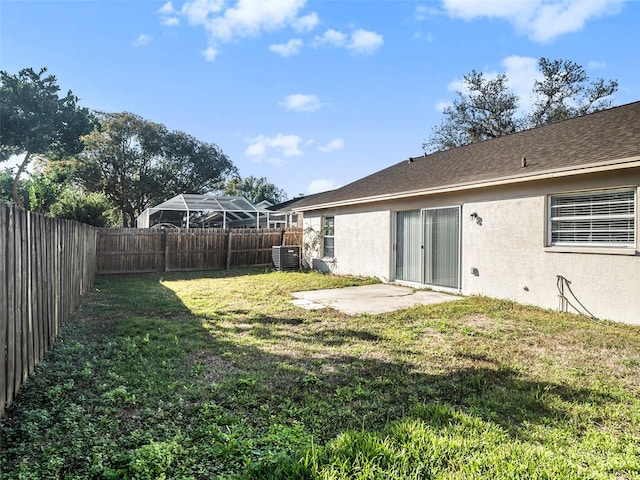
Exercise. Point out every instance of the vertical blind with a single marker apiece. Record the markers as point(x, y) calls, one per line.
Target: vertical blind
point(408, 242)
point(428, 246)
point(442, 246)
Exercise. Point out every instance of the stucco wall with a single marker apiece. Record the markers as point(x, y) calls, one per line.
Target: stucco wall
point(362, 243)
point(504, 252)
point(511, 261)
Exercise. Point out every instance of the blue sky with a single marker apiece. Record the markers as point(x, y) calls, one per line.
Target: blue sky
point(310, 94)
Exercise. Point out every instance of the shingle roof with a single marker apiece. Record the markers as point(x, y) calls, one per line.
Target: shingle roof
point(608, 135)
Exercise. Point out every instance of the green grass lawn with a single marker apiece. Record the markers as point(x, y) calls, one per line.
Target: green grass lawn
point(217, 375)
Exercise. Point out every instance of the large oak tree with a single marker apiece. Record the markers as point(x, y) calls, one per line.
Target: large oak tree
point(137, 163)
point(485, 108)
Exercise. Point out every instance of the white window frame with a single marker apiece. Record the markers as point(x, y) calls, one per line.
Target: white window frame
point(326, 235)
point(591, 213)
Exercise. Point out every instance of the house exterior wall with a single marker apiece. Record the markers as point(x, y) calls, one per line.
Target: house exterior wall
point(504, 251)
point(362, 243)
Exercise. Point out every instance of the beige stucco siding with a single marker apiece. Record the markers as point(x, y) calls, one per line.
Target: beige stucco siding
point(510, 260)
point(504, 250)
point(362, 243)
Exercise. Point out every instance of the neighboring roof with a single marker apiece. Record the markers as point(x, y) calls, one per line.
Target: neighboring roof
point(289, 205)
point(607, 137)
point(193, 202)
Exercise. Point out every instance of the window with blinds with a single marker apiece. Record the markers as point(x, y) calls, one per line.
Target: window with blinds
point(599, 218)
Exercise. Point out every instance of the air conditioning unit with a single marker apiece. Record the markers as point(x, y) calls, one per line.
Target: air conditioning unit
point(286, 258)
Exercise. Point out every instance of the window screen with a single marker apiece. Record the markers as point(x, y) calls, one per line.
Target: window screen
point(602, 218)
point(328, 231)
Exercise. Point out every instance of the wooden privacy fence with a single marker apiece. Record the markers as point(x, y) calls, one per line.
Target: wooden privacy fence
point(46, 265)
point(139, 250)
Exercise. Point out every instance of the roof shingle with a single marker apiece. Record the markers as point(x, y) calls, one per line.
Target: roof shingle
point(608, 135)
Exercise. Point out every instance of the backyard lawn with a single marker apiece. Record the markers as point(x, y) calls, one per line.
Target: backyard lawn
point(217, 375)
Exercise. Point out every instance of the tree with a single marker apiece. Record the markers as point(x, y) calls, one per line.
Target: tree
point(254, 189)
point(565, 92)
point(91, 208)
point(35, 120)
point(486, 108)
point(191, 166)
point(6, 186)
point(137, 163)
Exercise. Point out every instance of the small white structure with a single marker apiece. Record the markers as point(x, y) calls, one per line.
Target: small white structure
point(547, 216)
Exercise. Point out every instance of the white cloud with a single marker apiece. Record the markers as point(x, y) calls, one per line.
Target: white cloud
point(141, 41)
point(321, 185)
point(210, 53)
point(365, 42)
point(557, 19)
point(456, 85)
point(292, 47)
point(541, 20)
point(250, 17)
point(269, 149)
point(299, 102)
point(593, 64)
point(169, 15)
point(333, 146)
point(167, 9)
point(331, 38)
point(170, 22)
point(422, 12)
point(359, 42)
point(306, 23)
point(442, 105)
point(245, 18)
point(426, 36)
point(199, 12)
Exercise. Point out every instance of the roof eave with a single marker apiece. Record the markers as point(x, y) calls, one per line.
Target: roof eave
point(630, 162)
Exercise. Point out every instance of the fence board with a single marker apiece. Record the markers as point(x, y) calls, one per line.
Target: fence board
point(11, 306)
point(4, 313)
point(130, 250)
point(45, 267)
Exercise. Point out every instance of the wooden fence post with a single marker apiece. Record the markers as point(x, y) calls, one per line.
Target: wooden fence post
point(229, 249)
point(165, 239)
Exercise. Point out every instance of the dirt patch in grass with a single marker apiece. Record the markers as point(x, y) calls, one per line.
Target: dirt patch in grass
point(214, 368)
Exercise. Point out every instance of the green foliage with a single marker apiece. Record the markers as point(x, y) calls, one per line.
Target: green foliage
point(6, 186)
point(218, 375)
point(485, 108)
point(35, 120)
point(254, 189)
point(137, 163)
point(41, 189)
point(153, 460)
point(91, 208)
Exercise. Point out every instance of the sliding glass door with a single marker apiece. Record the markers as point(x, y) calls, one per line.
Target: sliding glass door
point(408, 241)
point(428, 246)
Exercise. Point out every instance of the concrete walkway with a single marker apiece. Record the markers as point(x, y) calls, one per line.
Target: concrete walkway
point(374, 299)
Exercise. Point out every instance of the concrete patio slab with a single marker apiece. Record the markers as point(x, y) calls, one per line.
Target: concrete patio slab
point(374, 299)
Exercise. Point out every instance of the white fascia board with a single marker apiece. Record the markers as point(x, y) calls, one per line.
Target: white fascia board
point(632, 162)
